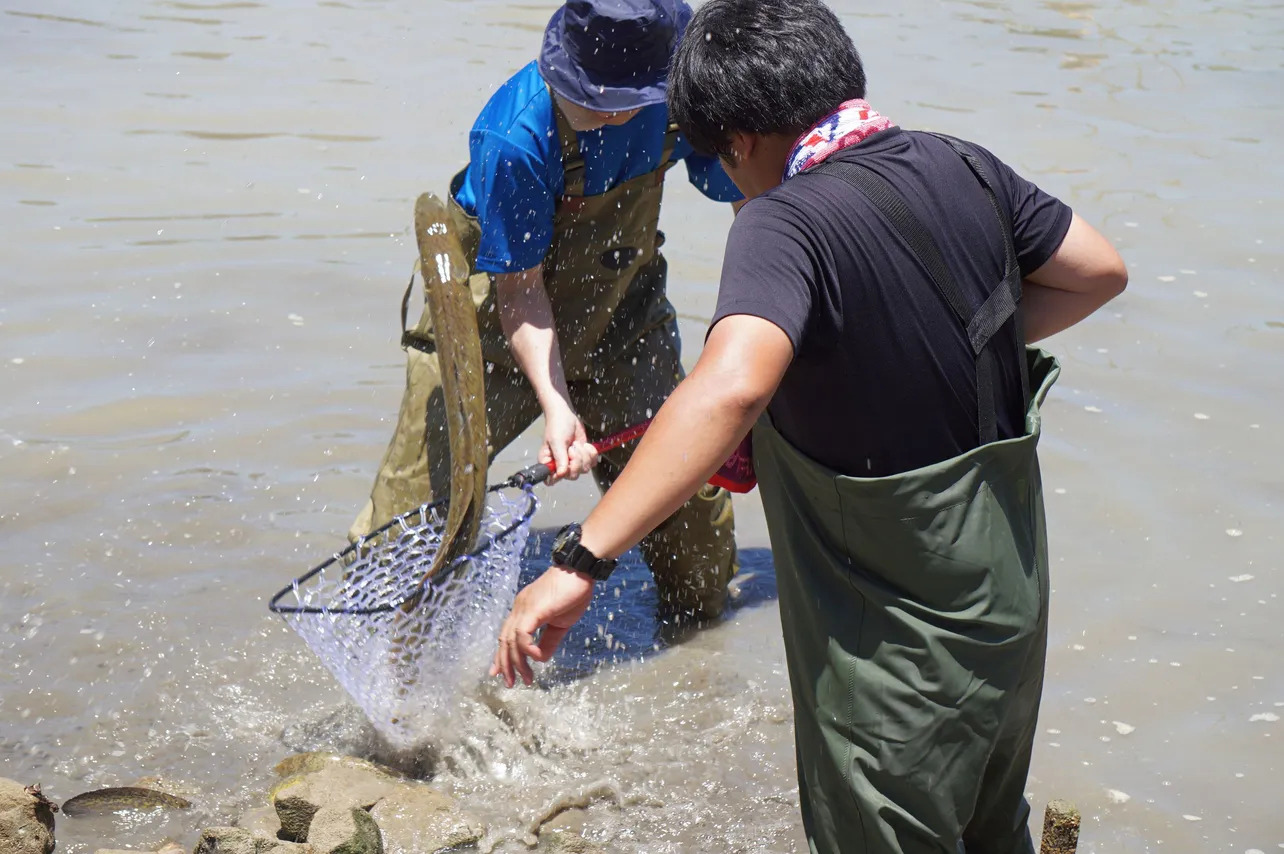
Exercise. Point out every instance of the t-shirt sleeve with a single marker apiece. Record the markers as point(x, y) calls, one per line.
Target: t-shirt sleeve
point(515, 205)
point(770, 269)
point(706, 174)
point(1039, 220)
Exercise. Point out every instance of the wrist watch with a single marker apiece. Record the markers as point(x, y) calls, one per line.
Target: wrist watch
point(568, 552)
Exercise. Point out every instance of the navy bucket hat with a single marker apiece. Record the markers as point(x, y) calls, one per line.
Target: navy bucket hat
point(612, 55)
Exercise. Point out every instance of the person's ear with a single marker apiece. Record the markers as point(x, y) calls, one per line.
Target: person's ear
point(743, 146)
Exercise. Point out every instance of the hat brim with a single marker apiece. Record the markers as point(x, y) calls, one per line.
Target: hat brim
point(577, 86)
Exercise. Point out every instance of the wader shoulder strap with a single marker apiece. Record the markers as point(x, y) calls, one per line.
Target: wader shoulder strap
point(572, 158)
point(981, 324)
point(1011, 268)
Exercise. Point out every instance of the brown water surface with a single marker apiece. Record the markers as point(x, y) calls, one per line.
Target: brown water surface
point(205, 208)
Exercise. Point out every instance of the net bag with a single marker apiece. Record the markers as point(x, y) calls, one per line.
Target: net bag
point(404, 665)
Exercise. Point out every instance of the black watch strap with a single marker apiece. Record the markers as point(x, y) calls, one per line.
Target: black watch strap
point(568, 552)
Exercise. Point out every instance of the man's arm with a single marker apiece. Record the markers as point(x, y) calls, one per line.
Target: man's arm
point(694, 432)
point(1083, 274)
point(526, 316)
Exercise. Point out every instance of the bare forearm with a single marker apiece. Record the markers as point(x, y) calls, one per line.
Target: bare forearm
point(1048, 311)
point(694, 432)
point(705, 421)
point(1083, 274)
point(526, 316)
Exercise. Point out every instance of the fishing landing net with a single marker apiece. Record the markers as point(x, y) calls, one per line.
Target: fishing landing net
point(404, 666)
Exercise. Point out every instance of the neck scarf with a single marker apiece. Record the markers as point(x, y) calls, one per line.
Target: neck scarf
point(852, 122)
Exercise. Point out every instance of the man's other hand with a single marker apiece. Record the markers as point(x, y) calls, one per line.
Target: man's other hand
point(553, 602)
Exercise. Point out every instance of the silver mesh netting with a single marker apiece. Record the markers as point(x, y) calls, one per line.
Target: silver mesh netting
point(402, 667)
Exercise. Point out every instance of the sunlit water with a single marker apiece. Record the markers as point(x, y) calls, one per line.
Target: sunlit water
point(205, 209)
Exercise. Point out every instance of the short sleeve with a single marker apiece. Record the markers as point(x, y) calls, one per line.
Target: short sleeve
point(707, 175)
point(1039, 220)
point(515, 205)
point(770, 269)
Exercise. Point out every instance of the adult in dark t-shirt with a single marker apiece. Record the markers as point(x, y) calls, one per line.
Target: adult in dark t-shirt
point(870, 391)
point(879, 289)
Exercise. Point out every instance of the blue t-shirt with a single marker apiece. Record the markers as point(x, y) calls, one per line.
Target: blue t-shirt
point(515, 176)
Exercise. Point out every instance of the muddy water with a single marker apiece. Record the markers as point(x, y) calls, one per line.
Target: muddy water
point(204, 209)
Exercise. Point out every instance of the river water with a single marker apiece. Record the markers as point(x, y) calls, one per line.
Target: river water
point(205, 210)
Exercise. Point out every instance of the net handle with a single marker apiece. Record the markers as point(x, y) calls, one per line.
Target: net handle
point(540, 472)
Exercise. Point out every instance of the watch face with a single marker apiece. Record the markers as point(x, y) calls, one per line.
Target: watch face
point(565, 539)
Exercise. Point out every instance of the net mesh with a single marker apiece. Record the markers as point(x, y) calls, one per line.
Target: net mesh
point(403, 665)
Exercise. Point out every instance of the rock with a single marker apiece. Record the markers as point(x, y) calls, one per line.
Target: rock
point(237, 840)
point(417, 819)
point(298, 798)
point(26, 820)
point(307, 763)
point(565, 842)
point(339, 831)
point(261, 821)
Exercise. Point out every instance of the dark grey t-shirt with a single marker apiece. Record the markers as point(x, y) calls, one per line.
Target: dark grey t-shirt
point(875, 388)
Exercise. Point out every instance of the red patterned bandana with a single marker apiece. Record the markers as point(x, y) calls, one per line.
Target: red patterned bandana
point(852, 122)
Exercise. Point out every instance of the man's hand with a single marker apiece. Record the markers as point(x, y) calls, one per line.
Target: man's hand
point(566, 449)
point(553, 602)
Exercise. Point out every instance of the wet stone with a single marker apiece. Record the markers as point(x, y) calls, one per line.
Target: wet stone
point(261, 821)
point(236, 840)
point(421, 820)
point(26, 821)
point(298, 798)
point(344, 831)
point(307, 763)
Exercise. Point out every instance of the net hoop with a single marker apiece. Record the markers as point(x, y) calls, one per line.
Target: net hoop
point(404, 520)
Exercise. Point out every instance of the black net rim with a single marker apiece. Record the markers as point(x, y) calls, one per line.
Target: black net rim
point(440, 578)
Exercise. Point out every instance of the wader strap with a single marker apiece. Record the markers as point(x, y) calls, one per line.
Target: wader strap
point(982, 324)
point(1011, 268)
point(572, 157)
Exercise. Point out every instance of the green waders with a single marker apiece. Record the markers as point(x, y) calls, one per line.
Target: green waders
point(618, 336)
point(914, 610)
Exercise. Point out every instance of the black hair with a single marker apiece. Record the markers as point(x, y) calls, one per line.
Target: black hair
point(760, 66)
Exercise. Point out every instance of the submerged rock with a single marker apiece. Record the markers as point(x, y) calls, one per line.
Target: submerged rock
point(418, 819)
point(298, 798)
point(237, 840)
point(26, 820)
point(261, 821)
point(344, 831)
point(565, 842)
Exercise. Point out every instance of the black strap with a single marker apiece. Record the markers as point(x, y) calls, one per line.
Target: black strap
point(981, 324)
point(1011, 268)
